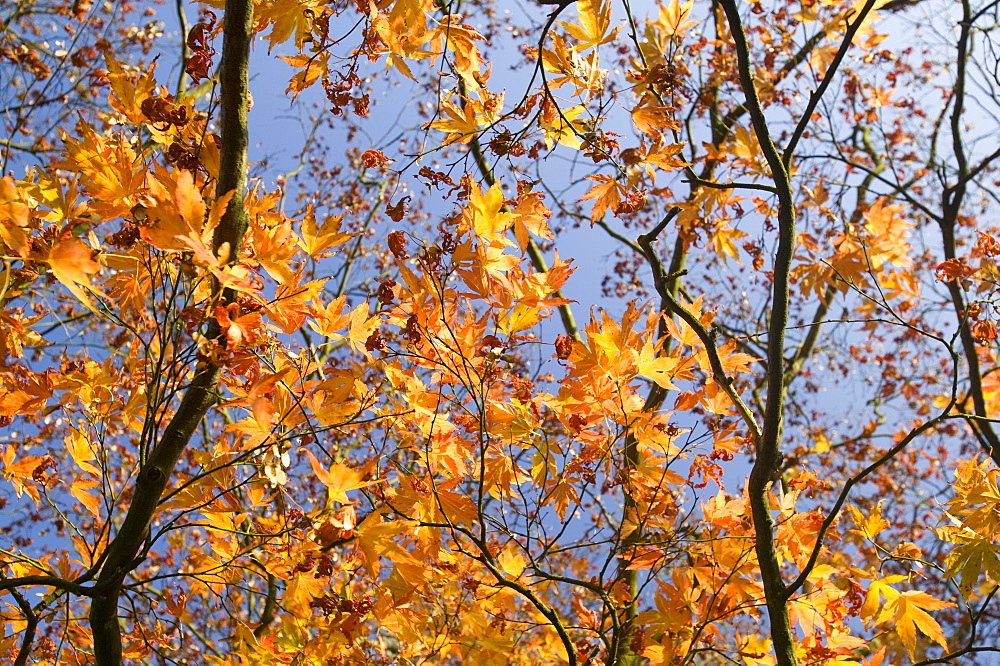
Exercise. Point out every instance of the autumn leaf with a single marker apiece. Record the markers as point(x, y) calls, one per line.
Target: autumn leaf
point(869, 525)
point(908, 613)
point(660, 369)
point(675, 16)
point(723, 242)
point(486, 216)
point(970, 560)
point(512, 562)
point(288, 20)
point(376, 538)
point(339, 479)
point(521, 317)
point(14, 218)
point(80, 490)
point(464, 122)
point(318, 240)
point(531, 217)
point(312, 67)
point(607, 193)
point(652, 119)
point(594, 27)
point(83, 452)
point(72, 263)
point(461, 41)
point(878, 588)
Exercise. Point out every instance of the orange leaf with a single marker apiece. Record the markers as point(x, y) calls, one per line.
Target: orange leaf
point(339, 479)
point(607, 194)
point(72, 264)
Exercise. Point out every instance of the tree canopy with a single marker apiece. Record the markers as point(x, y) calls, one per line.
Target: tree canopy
point(592, 332)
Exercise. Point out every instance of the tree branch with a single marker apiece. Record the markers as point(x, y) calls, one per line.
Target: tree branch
point(768, 446)
point(201, 393)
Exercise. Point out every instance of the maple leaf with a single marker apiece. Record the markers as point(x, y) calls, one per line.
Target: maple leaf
point(287, 19)
point(531, 218)
point(485, 215)
point(14, 218)
point(723, 238)
point(521, 317)
point(970, 560)
point(81, 484)
point(878, 588)
point(239, 329)
point(317, 241)
point(654, 119)
point(908, 613)
point(361, 327)
point(870, 525)
point(563, 126)
point(178, 213)
point(594, 27)
point(291, 305)
point(607, 193)
point(660, 369)
point(464, 122)
point(888, 231)
point(673, 16)
point(82, 450)
point(259, 398)
point(375, 538)
point(129, 91)
point(339, 479)
point(312, 66)
point(461, 39)
point(72, 263)
point(107, 169)
point(512, 562)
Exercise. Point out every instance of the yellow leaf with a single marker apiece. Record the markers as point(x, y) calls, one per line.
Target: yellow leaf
point(870, 525)
point(531, 217)
point(880, 587)
point(79, 490)
point(82, 451)
point(188, 200)
point(594, 27)
point(485, 217)
point(658, 368)
point(971, 560)
point(339, 479)
point(317, 240)
point(723, 242)
point(908, 614)
point(522, 316)
point(464, 122)
point(673, 17)
point(511, 561)
point(312, 66)
point(375, 539)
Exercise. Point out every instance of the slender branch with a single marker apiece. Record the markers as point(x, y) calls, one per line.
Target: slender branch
point(185, 50)
point(30, 626)
point(661, 281)
point(831, 70)
point(838, 505)
point(201, 394)
point(534, 252)
point(768, 458)
point(952, 200)
point(46, 581)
